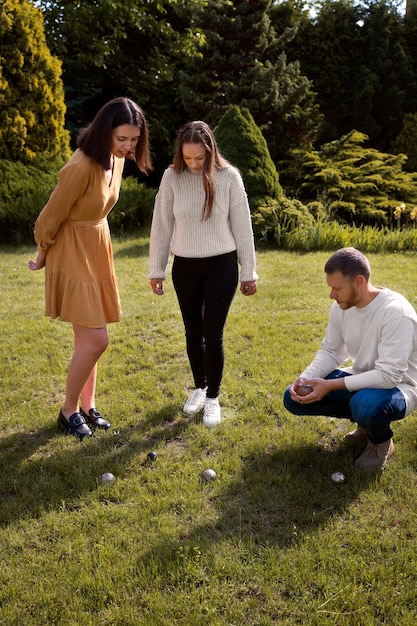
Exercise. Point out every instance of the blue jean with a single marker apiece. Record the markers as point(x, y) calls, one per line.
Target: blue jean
point(205, 290)
point(372, 409)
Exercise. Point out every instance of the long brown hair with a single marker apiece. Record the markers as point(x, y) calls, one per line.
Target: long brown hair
point(96, 139)
point(200, 133)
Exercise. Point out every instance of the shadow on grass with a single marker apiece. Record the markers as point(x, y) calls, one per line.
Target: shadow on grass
point(282, 493)
point(38, 474)
point(277, 497)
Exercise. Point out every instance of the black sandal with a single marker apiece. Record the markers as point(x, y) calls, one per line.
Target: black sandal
point(96, 419)
point(75, 425)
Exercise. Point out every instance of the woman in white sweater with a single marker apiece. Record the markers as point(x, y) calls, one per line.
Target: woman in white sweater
point(202, 216)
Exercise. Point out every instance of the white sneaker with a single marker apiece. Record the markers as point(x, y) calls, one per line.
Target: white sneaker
point(212, 415)
point(195, 402)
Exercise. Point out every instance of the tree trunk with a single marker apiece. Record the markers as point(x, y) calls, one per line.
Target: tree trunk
point(409, 4)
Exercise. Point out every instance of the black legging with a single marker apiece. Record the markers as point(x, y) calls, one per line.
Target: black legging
point(205, 289)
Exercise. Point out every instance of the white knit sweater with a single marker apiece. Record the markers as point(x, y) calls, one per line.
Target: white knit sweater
point(177, 224)
point(381, 341)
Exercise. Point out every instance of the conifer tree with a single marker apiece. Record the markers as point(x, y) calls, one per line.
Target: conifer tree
point(386, 84)
point(406, 142)
point(242, 143)
point(131, 48)
point(32, 109)
point(243, 63)
point(359, 57)
point(409, 37)
point(410, 4)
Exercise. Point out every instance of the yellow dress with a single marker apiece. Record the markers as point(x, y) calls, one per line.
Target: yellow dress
point(80, 280)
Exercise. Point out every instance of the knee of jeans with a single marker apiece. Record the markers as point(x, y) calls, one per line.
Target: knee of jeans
point(289, 403)
point(361, 410)
point(367, 412)
point(286, 396)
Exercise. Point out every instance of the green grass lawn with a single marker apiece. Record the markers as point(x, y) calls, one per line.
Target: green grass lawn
point(271, 541)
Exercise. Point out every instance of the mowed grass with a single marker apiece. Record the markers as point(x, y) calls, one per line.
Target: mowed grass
point(271, 541)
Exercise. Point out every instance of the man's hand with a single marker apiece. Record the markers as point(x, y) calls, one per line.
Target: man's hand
point(320, 388)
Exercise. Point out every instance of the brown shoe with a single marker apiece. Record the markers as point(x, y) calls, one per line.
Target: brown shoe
point(357, 436)
point(375, 456)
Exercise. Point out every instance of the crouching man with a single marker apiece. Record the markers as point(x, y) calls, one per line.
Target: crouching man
point(376, 329)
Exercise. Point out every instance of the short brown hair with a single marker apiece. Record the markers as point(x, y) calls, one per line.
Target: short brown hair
point(349, 262)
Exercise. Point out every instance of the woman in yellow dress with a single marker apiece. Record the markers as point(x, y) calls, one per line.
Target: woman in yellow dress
point(74, 246)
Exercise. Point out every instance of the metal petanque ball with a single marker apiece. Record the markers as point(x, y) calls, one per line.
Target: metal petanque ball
point(152, 455)
point(209, 475)
point(107, 478)
point(338, 478)
point(304, 390)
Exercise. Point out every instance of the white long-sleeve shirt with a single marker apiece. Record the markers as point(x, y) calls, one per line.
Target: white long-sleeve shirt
point(177, 224)
point(381, 341)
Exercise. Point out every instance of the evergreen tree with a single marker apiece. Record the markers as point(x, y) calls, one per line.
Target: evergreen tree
point(410, 4)
point(32, 109)
point(328, 48)
point(406, 142)
point(386, 86)
point(243, 63)
point(356, 57)
point(242, 143)
point(135, 49)
point(409, 37)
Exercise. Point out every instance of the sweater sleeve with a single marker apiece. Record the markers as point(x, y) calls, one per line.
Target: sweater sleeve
point(72, 183)
point(392, 359)
point(241, 227)
point(162, 228)
point(378, 339)
point(333, 352)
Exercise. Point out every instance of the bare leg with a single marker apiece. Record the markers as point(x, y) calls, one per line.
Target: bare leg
point(89, 345)
point(89, 391)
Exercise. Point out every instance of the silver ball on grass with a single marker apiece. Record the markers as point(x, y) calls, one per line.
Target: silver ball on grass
point(338, 478)
point(107, 478)
point(208, 475)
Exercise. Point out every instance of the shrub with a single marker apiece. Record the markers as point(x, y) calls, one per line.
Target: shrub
point(134, 208)
point(25, 189)
point(355, 184)
point(273, 219)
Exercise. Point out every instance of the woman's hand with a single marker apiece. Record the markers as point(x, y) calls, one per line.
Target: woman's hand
point(248, 288)
point(39, 263)
point(156, 284)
